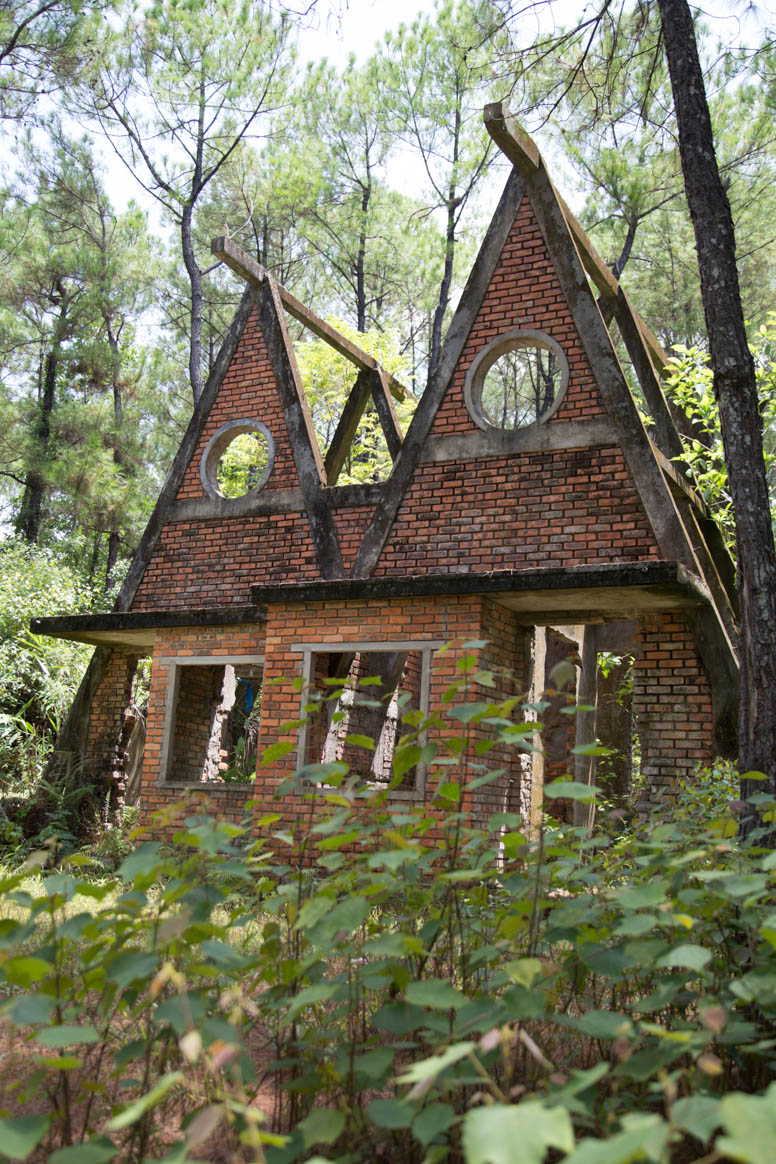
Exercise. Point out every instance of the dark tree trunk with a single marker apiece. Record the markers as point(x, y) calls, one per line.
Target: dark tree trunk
point(361, 258)
point(736, 393)
point(195, 279)
point(118, 452)
point(30, 514)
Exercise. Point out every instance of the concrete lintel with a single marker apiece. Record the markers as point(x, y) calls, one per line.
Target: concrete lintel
point(271, 501)
point(539, 438)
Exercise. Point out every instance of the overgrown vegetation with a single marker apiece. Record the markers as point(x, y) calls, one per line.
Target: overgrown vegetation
point(388, 983)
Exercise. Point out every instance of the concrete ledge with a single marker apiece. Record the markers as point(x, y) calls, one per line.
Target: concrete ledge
point(135, 630)
point(536, 438)
point(556, 593)
point(271, 501)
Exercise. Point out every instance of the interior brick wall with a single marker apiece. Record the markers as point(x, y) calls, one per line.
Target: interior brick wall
point(671, 706)
point(109, 708)
point(227, 800)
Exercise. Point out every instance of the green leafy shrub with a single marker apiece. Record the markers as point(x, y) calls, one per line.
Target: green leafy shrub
point(349, 991)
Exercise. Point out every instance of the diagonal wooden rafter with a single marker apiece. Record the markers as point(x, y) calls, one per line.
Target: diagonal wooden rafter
point(367, 384)
point(345, 431)
point(304, 445)
point(247, 267)
point(386, 413)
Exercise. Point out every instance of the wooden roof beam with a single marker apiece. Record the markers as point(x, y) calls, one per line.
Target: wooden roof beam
point(247, 268)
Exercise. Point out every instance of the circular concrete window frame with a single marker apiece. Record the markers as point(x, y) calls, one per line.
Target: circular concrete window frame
point(217, 446)
point(511, 341)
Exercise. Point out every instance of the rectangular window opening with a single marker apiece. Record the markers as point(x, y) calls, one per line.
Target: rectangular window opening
point(365, 694)
point(212, 728)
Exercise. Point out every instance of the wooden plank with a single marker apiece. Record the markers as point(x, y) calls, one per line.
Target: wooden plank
point(386, 414)
point(247, 267)
point(304, 444)
point(347, 425)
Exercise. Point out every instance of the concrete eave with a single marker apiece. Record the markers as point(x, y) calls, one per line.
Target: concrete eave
point(565, 594)
point(136, 630)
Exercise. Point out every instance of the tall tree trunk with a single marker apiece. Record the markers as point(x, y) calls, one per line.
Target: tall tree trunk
point(366, 192)
point(735, 389)
point(118, 453)
point(195, 279)
point(30, 514)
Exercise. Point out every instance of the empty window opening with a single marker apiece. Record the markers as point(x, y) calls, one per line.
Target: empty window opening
point(243, 464)
point(365, 695)
point(360, 700)
point(214, 724)
point(516, 381)
point(520, 387)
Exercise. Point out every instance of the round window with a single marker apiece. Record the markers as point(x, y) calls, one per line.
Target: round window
point(238, 460)
point(516, 381)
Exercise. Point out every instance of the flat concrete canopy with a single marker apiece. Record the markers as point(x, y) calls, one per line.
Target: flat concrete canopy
point(573, 594)
point(549, 595)
point(135, 630)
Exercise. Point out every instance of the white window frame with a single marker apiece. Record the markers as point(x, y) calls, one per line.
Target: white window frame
point(426, 648)
point(174, 663)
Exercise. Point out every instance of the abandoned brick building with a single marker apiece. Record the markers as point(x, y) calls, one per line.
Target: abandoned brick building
point(530, 507)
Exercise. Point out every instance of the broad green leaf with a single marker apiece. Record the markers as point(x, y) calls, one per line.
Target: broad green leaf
point(434, 992)
point(431, 1067)
point(222, 955)
point(97, 1151)
point(515, 1134)
point(603, 1024)
point(375, 1064)
point(319, 992)
point(32, 1008)
point(686, 957)
point(571, 790)
point(697, 1114)
point(389, 1113)
point(142, 860)
point(132, 966)
point(132, 1113)
point(322, 1126)
point(432, 1121)
point(25, 972)
point(750, 1123)
point(523, 971)
point(20, 1135)
point(399, 1018)
point(359, 741)
point(67, 1036)
point(644, 1137)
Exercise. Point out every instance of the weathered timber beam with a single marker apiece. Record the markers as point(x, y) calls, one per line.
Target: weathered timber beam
point(386, 413)
point(523, 153)
point(304, 444)
point(247, 267)
point(347, 425)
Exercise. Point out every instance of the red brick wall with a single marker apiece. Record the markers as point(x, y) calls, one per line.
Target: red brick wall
point(671, 705)
point(570, 507)
point(248, 391)
point(524, 292)
point(215, 563)
point(106, 717)
point(573, 508)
